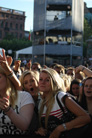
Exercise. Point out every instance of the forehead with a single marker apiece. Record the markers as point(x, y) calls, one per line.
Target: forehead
point(45, 74)
point(75, 85)
point(28, 76)
point(70, 70)
point(88, 81)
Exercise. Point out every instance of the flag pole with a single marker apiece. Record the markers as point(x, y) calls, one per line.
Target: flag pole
point(29, 37)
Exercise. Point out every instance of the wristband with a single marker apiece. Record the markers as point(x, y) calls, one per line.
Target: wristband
point(6, 110)
point(83, 69)
point(64, 125)
point(11, 74)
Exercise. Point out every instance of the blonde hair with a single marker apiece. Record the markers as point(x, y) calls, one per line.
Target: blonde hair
point(10, 89)
point(83, 76)
point(57, 84)
point(62, 69)
point(34, 74)
point(67, 81)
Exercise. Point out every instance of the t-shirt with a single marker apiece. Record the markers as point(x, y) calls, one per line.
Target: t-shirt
point(56, 111)
point(6, 126)
point(55, 114)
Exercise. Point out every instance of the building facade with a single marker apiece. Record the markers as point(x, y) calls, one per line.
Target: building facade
point(12, 22)
point(58, 31)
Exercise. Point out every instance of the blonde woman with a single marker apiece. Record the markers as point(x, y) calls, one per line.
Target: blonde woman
point(16, 107)
point(51, 83)
point(29, 81)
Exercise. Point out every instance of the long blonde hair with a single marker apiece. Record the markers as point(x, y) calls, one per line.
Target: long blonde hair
point(10, 89)
point(57, 84)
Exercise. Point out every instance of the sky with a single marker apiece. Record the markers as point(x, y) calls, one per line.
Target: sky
point(27, 6)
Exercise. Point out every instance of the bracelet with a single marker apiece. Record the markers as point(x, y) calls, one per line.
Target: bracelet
point(6, 110)
point(64, 125)
point(83, 69)
point(11, 74)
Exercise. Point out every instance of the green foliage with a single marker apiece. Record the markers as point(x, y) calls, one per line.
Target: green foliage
point(87, 30)
point(14, 44)
point(84, 49)
point(86, 36)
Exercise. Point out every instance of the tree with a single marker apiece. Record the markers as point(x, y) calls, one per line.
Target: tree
point(86, 35)
point(14, 44)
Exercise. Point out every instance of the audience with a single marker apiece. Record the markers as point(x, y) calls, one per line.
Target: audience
point(28, 96)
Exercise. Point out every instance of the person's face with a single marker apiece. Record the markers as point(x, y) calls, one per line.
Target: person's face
point(35, 67)
point(58, 70)
point(29, 65)
point(70, 72)
point(3, 82)
point(30, 84)
point(44, 82)
point(88, 88)
point(75, 89)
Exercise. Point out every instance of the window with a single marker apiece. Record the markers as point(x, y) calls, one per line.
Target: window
point(2, 24)
point(11, 25)
point(16, 35)
point(21, 18)
point(20, 36)
point(2, 15)
point(12, 34)
point(16, 26)
point(7, 15)
point(16, 17)
point(0, 34)
point(6, 24)
point(20, 26)
point(6, 33)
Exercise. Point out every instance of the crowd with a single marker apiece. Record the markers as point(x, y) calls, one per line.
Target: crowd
point(45, 101)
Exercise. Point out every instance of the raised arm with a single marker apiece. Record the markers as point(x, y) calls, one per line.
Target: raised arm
point(84, 69)
point(9, 72)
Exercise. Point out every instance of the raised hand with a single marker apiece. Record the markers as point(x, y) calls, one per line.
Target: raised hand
point(5, 63)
